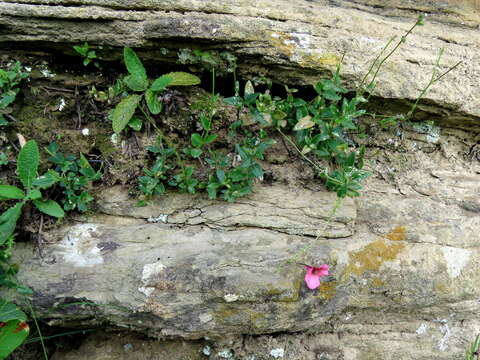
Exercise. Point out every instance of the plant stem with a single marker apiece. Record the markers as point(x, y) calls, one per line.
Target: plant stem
point(162, 136)
point(432, 81)
point(45, 353)
point(315, 166)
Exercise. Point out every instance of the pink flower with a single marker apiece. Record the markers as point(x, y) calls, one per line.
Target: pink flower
point(313, 275)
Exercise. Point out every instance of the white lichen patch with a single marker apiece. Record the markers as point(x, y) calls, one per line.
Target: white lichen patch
point(445, 330)
point(456, 260)
point(204, 318)
point(302, 40)
point(225, 354)
point(160, 218)
point(79, 247)
point(146, 290)
point(277, 353)
point(230, 297)
point(422, 329)
point(151, 271)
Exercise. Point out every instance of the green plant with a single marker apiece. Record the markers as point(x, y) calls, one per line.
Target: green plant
point(10, 78)
point(88, 55)
point(319, 129)
point(13, 328)
point(145, 92)
point(233, 181)
point(3, 159)
point(27, 166)
point(155, 178)
point(74, 176)
point(473, 351)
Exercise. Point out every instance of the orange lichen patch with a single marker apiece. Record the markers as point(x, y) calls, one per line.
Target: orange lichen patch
point(372, 256)
point(377, 282)
point(315, 60)
point(284, 42)
point(441, 287)
point(397, 234)
point(328, 290)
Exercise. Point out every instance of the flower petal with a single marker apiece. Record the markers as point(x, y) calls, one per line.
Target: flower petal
point(313, 281)
point(321, 270)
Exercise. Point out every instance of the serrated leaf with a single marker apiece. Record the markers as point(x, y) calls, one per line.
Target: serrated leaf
point(11, 192)
point(181, 78)
point(135, 82)
point(124, 111)
point(8, 222)
point(161, 83)
point(304, 123)
point(49, 207)
point(152, 102)
point(27, 163)
point(133, 63)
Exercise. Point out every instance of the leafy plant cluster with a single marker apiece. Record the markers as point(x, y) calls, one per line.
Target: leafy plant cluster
point(89, 56)
point(74, 176)
point(10, 78)
point(318, 129)
point(197, 165)
point(145, 96)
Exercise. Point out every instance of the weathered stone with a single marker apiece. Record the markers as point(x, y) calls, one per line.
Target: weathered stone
point(292, 42)
point(295, 211)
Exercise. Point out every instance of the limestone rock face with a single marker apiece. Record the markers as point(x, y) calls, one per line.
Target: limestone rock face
point(403, 257)
point(293, 42)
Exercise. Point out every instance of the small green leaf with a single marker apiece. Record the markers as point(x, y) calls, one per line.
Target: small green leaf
point(135, 82)
point(210, 138)
point(152, 102)
point(7, 99)
point(221, 175)
point(133, 63)
point(34, 194)
point(8, 222)
point(183, 79)
point(135, 123)
point(304, 123)
point(197, 140)
point(195, 153)
point(11, 192)
point(46, 180)
point(10, 311)
point(3, 121)
point(161, 83)
point(49, 207)
point(124, 111)
point(27, 163)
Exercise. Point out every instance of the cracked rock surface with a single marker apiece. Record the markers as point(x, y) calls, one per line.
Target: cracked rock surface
point(403, 257)
point(291, 42)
